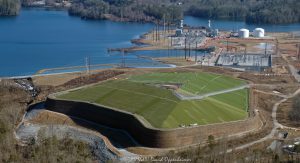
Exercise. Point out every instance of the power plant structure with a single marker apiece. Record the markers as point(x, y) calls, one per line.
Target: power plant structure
point(179, 30)
point(187, 37)
point(210, 32)
point(181, 24)
point(248, 62)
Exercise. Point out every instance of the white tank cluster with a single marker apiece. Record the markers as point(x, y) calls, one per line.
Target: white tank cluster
point(244, 33)
point(259, 32)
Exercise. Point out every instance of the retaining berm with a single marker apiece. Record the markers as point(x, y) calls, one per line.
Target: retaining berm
point(143, 133)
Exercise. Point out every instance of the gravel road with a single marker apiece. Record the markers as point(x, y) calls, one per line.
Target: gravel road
point(199, 97)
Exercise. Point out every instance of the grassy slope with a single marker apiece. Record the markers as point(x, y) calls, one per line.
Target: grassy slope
point(160, 107)
point(197, 83)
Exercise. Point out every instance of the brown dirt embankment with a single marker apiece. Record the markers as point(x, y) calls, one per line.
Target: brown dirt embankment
point(55, 83)
point(283, 114)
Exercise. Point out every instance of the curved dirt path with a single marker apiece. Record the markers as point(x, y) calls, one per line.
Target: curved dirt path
point(199, 97)
point(276, 124)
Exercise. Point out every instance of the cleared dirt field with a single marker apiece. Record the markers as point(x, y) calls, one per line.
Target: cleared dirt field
point(161, 108)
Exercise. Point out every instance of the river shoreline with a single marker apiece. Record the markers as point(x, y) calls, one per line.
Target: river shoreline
point(73, 40)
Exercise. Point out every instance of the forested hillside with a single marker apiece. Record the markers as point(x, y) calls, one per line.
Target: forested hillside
point(127, 10)
point(274, 12)
point(13, 103)
point(9, 7)
point(252, 11)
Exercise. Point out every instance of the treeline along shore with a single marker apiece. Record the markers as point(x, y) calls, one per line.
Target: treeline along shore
point(170, 11)
point(9, 7)
point(251, 11)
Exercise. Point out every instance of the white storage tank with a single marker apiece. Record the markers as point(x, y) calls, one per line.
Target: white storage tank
point(244, 33)
point(259, 32)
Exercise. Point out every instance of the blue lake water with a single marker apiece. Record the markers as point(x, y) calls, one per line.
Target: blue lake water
point(39, 39)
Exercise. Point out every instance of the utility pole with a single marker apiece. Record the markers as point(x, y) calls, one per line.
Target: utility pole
point(158, 34)
point(196, 52)
point(185, 47)
point(153, 34)
point(121, 13)
point(168, 50)
point(227, 45)
point(298, 51)
point(266, 45)
point(207, 61)
point(164, 25)
point(156, 38)
point(277, 50)
point(87, 64)
point(189, 50)
point(123, 60)
point(170, 45)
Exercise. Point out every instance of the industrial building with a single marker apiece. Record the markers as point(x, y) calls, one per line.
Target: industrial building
point(211, 32)
point(248, 62)
point(187, 37)
point(179, 30)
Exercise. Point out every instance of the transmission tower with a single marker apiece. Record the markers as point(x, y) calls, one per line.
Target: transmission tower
point(87, 64)
point(123, 59)
point(298, 51)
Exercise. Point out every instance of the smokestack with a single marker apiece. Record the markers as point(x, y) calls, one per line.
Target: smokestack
point(181, 24)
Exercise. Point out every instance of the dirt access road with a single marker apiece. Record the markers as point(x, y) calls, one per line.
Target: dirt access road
point(199, 97)
point(276, 124)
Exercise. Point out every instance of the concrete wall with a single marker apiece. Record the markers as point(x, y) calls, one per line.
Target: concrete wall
point(149, 136)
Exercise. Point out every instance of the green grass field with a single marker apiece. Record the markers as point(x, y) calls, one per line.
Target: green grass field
point(161, 108)
point(196, 83)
